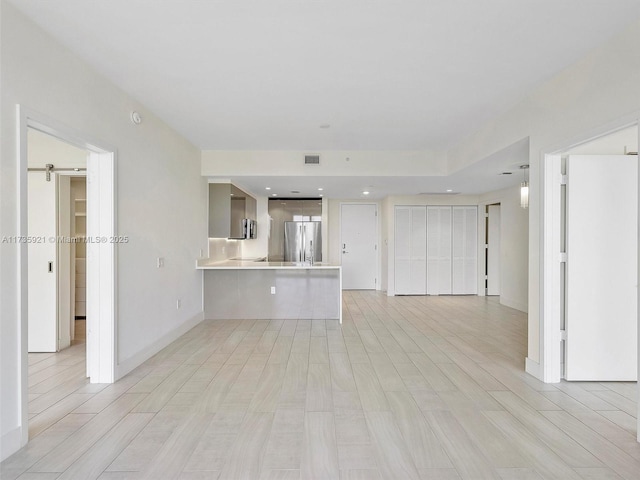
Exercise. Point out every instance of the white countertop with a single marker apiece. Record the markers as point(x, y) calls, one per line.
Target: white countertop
point(207, 264)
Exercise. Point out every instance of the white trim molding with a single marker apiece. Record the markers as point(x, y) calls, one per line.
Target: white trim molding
point(532, 367)
point(10, 443)
point(145, 354)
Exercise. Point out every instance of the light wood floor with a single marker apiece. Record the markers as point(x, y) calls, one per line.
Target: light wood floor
point(407, 388)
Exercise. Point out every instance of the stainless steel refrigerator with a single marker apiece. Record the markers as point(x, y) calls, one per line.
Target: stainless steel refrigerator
point(302, 242)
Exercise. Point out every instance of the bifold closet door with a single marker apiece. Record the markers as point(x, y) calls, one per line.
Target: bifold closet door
point(438, 250)
point(410, 250)
point(465, 251)
point(403, 251)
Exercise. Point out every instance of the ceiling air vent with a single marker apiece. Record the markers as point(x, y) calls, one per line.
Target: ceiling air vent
point(312, 159)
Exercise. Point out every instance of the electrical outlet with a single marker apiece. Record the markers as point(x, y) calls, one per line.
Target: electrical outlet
point(178, 304)
point(273, 290)
point(160, 262)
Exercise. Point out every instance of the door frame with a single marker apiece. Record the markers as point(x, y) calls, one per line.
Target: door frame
point(377, 205)
point(548, 369)
point(101, 256)
point(487, 249)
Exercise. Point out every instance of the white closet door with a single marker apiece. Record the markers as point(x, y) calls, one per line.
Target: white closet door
point(410, 250)
point(42, 265)
point(438, 250)
point(602, 267)
point(418, 250)
point(465, 248)
point(403, 251)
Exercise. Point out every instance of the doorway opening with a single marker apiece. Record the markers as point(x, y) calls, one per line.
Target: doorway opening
point(492, 250)
point(595, 171)
point(100, 242)
point(57, 217)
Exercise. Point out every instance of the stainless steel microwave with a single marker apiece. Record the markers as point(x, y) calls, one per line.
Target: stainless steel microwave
point(249, 228)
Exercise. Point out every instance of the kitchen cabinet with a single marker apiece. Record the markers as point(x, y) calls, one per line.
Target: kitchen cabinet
point(228, 207)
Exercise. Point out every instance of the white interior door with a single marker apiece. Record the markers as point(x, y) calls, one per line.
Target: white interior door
point(602, 247)
point(493, 250)
point(464, 250)
point(410, 250)
point(42, 264)
point(402, 242)
point(438, 250)
point(358, 234)
point(418, 250)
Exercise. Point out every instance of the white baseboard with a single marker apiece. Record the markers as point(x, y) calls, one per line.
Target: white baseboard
point(10, 443)
point(142, 356)
point(532, 368)
point(507, 302)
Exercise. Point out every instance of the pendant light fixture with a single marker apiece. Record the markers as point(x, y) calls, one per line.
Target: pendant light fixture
point(524, 187)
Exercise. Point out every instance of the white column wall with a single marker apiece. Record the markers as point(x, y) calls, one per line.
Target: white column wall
point(599, 90)
point(161, 203)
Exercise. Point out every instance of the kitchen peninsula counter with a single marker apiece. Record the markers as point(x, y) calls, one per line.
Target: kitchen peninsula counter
point(207, 264)
point(253, 289)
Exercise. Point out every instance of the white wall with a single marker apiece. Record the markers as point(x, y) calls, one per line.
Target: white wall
point(616, 143)
point(599, 90)
point(161, 203)
point(233, 163)
point(45, 149)
point(514, 246)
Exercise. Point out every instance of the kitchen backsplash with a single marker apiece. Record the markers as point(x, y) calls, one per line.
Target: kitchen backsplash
point(223, 249)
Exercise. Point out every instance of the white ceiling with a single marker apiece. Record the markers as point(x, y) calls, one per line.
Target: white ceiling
point(481, 177)
point(385, 75)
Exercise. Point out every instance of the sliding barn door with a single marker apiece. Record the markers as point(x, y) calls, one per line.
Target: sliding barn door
point(602, 268)
point(42, 264)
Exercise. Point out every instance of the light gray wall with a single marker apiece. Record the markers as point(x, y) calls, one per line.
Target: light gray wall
point(597, 91)
point(161, 202)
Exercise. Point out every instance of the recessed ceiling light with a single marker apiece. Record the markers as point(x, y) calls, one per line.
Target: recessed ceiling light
point(325, 125)
point(449, 190)
point(267, 188)
point(320, 189)
point(232, 194)
point(295, 191)
point(365, 193)
point(320, 195)
point(274, 194)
